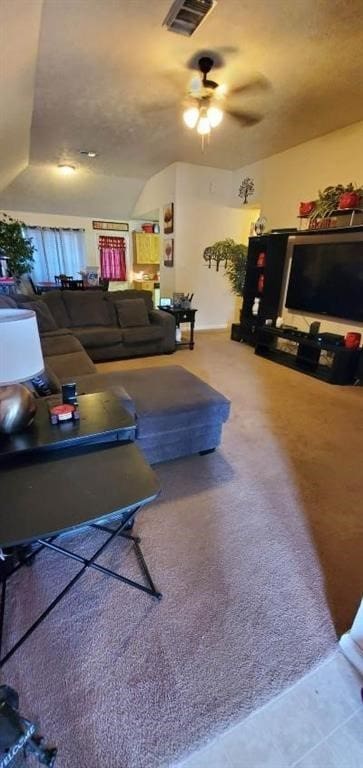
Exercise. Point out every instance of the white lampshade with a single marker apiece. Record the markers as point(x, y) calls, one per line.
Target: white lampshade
point(20, 351)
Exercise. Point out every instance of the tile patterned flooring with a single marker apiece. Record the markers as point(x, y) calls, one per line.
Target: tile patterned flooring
point(318, 723)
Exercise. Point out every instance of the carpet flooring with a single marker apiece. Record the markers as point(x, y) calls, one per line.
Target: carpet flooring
point(257, 549)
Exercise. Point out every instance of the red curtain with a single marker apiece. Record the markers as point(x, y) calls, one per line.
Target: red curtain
point(112, 257)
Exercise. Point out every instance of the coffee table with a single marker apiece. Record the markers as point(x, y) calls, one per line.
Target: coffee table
point(46, 493)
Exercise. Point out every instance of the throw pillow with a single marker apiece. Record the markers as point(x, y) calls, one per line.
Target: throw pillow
point(132, 313)
point(46, 383)
point(45, 319)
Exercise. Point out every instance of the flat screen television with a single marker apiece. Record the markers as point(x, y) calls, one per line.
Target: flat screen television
point(326, 274)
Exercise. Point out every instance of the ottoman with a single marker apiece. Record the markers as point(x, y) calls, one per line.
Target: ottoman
point(177, 413)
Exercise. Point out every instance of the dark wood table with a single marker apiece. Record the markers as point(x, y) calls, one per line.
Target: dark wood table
point(102, 419)
point(47, 492)
point(183, 316)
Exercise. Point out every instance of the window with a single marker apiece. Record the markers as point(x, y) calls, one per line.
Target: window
point(57, 252)
point(112, 257)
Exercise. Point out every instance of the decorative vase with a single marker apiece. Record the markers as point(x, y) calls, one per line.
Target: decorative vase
point(261, 283)
point(305, 209)
point(349, 200)
point(256, 306)
point(352, 340)
point(260, 225)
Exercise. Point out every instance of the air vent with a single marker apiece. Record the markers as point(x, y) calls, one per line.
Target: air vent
point(185, 16)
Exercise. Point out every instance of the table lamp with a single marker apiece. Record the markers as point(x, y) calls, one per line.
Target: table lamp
point(20, 359)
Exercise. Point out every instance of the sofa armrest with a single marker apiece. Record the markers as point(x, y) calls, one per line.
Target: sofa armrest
point(158, 317)
point(167, 322)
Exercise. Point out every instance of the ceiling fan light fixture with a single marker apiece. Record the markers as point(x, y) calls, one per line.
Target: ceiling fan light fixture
point(190, 116)
point(215, 116)
point(221, 90)
point(203, 126)
point(66, 170)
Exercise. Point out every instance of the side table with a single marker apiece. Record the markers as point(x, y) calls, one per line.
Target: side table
point(91, 476)
point(183, 316)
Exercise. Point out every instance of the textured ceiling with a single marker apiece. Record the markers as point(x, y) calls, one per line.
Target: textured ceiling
point(104, 66)
point(41, 188)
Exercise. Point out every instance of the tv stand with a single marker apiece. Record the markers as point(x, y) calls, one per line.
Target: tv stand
point(299, 350)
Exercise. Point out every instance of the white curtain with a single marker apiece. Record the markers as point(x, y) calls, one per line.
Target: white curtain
point(57, 252)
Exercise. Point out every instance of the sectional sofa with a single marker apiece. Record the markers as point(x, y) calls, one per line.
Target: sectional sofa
point(110, 325)
point(176, 413)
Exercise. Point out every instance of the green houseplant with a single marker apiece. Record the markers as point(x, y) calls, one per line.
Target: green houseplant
point(329, 199)
point(236, 266)
point(17, 249)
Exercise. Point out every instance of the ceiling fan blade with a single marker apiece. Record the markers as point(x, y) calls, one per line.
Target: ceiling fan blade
point(256, 84)
point(245, 119)
point(159, 106)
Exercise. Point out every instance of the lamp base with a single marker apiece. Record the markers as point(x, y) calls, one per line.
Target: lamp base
point(17, 408)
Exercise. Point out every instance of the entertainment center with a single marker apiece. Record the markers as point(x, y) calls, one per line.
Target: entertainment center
point(317, 272)
point(299, 350)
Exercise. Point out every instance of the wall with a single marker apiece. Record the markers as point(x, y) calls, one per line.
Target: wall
point(19, 37)
point(203, 215)
point(285, 179)
point(76, 222)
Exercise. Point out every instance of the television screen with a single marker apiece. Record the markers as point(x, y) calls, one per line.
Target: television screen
point(326, 278)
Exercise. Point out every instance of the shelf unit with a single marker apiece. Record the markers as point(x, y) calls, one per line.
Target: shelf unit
point(264, 275)
point(351, 212)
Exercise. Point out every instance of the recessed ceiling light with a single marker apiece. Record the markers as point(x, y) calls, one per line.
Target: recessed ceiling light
point(66, 170)
point(88, 152)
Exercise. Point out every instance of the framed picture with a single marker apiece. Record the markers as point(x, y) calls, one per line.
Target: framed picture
point(169, 252)
point(169, 219)
point(117, 226)
point(91, 276)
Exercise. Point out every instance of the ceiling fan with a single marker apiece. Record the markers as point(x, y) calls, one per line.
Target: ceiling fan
point(207, 100)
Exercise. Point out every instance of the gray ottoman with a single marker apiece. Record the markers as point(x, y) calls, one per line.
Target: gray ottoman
point(178, 414)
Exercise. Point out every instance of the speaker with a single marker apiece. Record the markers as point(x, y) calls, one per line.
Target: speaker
point(236, 332)
point(314, 328)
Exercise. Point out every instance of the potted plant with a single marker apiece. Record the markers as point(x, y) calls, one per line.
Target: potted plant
point(351, 197)
point(236, 267)
point(334, 198)
point(17, 249)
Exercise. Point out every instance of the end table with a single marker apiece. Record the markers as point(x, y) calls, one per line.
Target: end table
point(183, 316)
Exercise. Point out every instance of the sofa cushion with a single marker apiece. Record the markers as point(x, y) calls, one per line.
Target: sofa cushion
point(96, 336)
point(72, 364)
point(141, 335)
point(88, 308)
point(131, 293)
point(60, 344)
point(6, 302)
point(132, 313)
point(54, 300)
point(45, 319)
